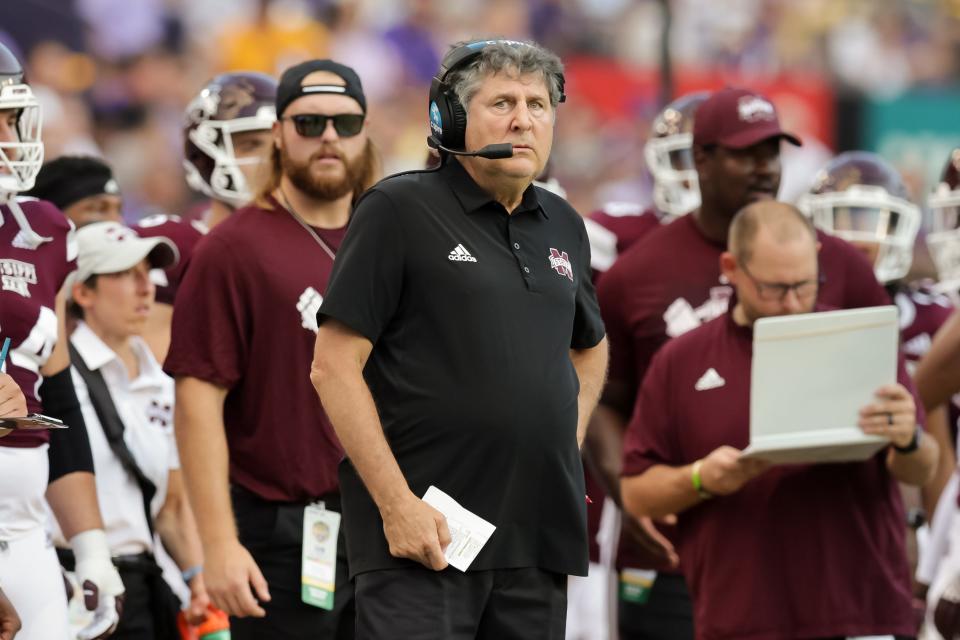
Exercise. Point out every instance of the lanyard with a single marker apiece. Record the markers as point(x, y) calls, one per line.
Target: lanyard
point(323, 245)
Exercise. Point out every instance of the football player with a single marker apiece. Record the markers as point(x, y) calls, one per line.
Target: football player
point(37, 252)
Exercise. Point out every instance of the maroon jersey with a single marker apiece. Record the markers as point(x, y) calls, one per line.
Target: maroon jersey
point(801, 551)
point(615, 228)
point(185, 235)
point(922, 312)
point(670, 282)
point(29, 281)
point(245, 319)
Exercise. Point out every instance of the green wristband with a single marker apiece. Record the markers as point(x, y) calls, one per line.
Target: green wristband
point(698, 482)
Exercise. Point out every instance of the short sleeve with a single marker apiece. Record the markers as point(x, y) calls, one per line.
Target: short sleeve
point(367, 279)
point(588, 328)
point(211, 317)
point(650, 438)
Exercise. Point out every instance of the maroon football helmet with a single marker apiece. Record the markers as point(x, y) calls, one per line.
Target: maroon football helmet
point(20, 159)
point(230, 103)
point(861, 198)
point(669, 156)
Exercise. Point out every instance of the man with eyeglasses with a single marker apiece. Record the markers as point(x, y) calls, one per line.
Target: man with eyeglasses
point(670, 282)
point(790, 551)
point(256, 447)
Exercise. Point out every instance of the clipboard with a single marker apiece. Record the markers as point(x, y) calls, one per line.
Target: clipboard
point(32, 422)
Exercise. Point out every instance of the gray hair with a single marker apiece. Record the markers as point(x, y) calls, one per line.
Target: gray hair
point(511, 56)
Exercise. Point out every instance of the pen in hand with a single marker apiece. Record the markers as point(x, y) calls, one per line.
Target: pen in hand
point(3, 351)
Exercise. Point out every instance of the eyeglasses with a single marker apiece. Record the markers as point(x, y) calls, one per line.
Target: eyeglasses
point(312, 125)
point(777, 291)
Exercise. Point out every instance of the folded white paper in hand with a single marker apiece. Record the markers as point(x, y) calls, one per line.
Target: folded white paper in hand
point(468, 531)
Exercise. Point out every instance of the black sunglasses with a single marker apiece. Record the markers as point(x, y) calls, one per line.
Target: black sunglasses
point(312, 125)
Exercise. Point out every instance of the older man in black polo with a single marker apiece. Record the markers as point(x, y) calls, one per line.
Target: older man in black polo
point(461, 347)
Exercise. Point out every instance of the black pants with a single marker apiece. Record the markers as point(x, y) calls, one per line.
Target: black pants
point(419, 604)
point(273, 534)
point(666, 615)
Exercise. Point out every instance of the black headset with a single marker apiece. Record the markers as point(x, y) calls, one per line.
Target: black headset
point(448, 118)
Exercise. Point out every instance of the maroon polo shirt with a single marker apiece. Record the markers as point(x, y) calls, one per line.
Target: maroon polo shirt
point(670, 282)
point(30, 278)
point(802, 551)
point(245, 320)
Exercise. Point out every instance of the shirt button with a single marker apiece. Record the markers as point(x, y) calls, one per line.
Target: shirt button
point(516, 245)
point(526, 269)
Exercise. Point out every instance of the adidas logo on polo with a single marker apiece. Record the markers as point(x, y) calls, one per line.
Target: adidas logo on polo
point(460, 254)
point(709, 380)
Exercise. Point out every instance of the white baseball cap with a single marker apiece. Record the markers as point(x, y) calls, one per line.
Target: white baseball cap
point(110, 247)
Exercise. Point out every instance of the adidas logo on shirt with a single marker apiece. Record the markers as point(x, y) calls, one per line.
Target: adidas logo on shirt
point(709, 380)
point(460, 254)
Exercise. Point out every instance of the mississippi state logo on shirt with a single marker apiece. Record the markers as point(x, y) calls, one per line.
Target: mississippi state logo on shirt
point(16, 276)
point(560, 262)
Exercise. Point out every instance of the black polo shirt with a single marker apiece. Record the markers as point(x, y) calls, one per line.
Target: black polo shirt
point(472, 313)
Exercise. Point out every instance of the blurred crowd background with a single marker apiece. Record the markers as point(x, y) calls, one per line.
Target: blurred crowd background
point(114, 76)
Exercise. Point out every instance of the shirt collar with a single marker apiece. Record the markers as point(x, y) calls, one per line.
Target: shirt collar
point(96, 354)
point(473, 197)
point(92, 349)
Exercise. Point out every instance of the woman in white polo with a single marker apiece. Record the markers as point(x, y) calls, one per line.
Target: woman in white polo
point(112, 294)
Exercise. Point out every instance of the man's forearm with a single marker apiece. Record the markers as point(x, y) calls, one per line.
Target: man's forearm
point(591, 367)
point(204, 458)
point(73, 500)
point(915, 468)
point(659, 491)
point(938, 428)
point(353, 414)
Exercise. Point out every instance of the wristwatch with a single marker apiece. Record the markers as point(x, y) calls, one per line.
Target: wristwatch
point(914, 443)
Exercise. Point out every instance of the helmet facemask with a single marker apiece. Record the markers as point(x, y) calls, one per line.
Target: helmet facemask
point(944, 237)
point(20, 159)
point(214, 138)
point(676, 187)
point(869, 215)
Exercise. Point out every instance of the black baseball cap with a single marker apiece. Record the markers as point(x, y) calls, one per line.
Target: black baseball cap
point(69, 179)
point(291, 84)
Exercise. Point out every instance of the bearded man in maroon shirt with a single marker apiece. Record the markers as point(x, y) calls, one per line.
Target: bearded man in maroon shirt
point(256, 446)
point(781, 552)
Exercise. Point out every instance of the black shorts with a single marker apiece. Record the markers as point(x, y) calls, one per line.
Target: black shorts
point(500, 604)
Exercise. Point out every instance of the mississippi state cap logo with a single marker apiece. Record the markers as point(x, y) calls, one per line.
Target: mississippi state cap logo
point(754, 109)
point(436, 124)
point(560, 262)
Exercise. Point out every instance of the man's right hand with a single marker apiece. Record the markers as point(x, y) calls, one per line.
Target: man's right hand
point(724, 472)
point(416, 531)
point(229, 572)
point(9, 620)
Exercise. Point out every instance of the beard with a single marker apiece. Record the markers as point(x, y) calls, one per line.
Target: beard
point(324, 186)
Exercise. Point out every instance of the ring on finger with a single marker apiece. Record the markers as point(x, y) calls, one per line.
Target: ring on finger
point(890, 419)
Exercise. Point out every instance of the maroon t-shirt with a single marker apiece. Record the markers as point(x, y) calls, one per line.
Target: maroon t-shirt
point(801, 551)
point(184, 235)
point(29, 281)
point(670, 282)
point(245, 320)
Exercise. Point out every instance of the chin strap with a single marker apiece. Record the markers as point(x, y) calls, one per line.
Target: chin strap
point(27, 238)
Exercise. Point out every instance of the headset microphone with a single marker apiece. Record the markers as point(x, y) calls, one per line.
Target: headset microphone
point(491, 151)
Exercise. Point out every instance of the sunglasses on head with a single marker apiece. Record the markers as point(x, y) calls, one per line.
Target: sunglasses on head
point(312, 125)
